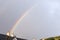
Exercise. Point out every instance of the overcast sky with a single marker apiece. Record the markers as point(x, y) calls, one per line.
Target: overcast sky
point(42, 21)
point(11, 10)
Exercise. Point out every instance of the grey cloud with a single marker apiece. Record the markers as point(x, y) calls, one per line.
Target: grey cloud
point(42, 21)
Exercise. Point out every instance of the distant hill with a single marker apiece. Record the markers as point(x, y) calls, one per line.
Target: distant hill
point(5, 37)
point(52, 38)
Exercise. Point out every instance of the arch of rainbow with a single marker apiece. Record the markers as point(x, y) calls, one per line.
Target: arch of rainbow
point(11, 31)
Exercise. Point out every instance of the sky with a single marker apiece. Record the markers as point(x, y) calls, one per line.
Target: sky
point(42, 21)
point(10, 11)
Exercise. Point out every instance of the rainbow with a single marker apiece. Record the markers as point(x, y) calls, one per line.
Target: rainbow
point(21, 18)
